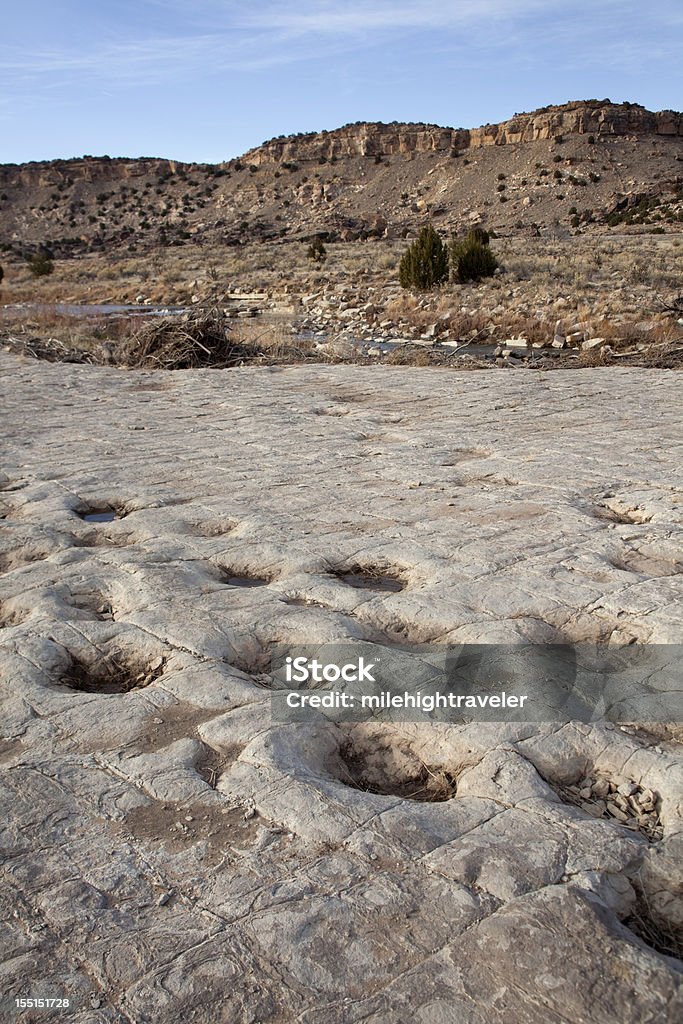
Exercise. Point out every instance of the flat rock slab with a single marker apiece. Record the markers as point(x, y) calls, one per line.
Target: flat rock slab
point(170, 853)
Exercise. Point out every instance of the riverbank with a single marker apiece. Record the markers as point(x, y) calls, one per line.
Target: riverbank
point(595, 300)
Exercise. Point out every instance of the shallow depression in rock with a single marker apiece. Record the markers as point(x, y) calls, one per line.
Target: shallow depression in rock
point(110, 675)
point(100, 513)
point(379, 766)
point(230, 577)
point(369, 579)
point(99, 517)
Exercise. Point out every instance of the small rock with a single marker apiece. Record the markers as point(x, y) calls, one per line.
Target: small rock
point(164, 898)
point(616, 812)
point(601, 788)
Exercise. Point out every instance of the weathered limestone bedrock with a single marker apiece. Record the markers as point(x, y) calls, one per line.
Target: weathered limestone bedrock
point(170, 853)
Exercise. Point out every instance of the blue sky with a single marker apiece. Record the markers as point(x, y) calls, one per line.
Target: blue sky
point(207, 79)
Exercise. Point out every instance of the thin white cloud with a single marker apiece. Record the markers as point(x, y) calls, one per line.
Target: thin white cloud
point(224, 36)
point(323, 18)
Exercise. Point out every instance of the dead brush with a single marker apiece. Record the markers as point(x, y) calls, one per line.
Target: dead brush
point(593, 357)
point(536, 331)
point(196, 339)
point(410, 355)
point(47, 333)
point(206, 337)
point(659, 934)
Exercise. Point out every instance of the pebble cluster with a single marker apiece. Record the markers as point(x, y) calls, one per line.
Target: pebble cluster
point(620, 799)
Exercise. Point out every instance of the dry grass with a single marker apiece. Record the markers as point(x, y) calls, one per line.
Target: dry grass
point(657, 933)
point(585, 281)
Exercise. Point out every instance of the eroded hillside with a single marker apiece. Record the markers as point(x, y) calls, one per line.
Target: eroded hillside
point(579, 167)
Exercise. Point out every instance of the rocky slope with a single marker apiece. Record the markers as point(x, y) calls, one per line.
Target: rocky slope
point(579, 165)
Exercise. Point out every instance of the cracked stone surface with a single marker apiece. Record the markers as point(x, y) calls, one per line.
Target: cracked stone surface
point(171, 854)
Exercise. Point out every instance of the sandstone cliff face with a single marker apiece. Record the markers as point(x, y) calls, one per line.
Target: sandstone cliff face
point(56, 172)
point(579, 118)
point(370, 139)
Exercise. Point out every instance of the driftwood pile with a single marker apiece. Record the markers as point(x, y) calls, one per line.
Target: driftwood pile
point(205, 337)
point(198, 338)
point(51, 349)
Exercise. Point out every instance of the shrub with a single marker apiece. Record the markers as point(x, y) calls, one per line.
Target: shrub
point(40, 264)
point(478, 234)
point(424, 264)
point(317, 251)
point(471, 259)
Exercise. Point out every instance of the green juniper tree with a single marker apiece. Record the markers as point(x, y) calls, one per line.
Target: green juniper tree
point(424, 264)
point(317, 251)
point(471, 258)
point(40, 264)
